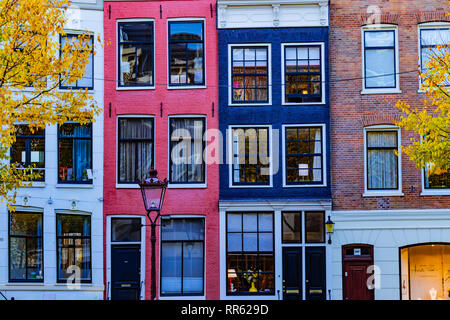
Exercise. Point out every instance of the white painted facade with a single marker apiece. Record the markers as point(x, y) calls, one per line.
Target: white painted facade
point(387, 231)
point(50, 198)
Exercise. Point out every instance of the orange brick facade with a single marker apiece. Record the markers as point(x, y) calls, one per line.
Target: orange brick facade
point(351, 111)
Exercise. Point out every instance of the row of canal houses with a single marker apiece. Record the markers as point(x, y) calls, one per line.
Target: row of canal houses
point(286, 100)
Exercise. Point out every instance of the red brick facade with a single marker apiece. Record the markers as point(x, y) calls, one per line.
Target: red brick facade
point(352, 111)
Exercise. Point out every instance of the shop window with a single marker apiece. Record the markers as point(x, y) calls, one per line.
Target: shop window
point(250, 253)
point(425, 272)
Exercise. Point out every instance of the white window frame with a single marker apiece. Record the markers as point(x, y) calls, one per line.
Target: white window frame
point(187, 19)
point(422, 26)
point(322, 72)
point(230, 156)
point(138, 116)
point(269, 74)
point(205, 159)
point(324, 155)
point(383, 193)
point(185, 297)
point(380, 27)
point(118, 88)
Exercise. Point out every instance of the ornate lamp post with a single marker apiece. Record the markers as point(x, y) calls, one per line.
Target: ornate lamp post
point(153, 190)
point(330, 228)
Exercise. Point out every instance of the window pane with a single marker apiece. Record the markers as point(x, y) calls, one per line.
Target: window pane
point(193, 268)
point(265, 222)
point(382, 139)
point(234, 222)
point(250, 242)
point(432, 37)
point(380, 68)
point(195, 63)
point(292, 226)
point(186, 31)
point(265, 241)
point(379, 38)
point(315, 227)
point(136, 31)
point(182, 229)
point(26, 224)
point(250, 222)
point(234, 242)
point(17, 258)
point(123, 229)
point(436, 178)
point(171, 262)
point(74, 225)
point(382, 162)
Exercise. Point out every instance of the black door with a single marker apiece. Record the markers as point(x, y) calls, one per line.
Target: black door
point(125, 272)
point(292, 273)
point(315, 273)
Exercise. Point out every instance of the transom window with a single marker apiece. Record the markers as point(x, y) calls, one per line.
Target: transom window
point(251, 161)
point(250, 74)
point(380, 59)
point(250, 253)
point(87, 81)
point(75, 153)
point(29, 150)
point(136, 145)
point(382, 160)
point(304, 155)
point(187, 164)
point(26, 247)
point(314, 223)
point(135, 54)
point(303, 80)
point(186, 53)
point(182, 256)
point(74, 246)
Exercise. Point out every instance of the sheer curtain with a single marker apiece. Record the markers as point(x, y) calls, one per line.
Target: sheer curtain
point(317, 162)
point(86, 275)
point(382, 160)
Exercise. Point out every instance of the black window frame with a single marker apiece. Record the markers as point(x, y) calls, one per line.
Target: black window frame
point(242, 252)
point(182, 245)
point(308, 74)
point(394, 48)
point(169, 56)
point(131, 140)
point(41, 237)
point(310, 170)
point(382, 148)
point(254, 74)
point(68, 87)
point(88, 181)
point(150, 43)
point(59, 237)
point(234, 156)
point(172, 143)
point(28, 139)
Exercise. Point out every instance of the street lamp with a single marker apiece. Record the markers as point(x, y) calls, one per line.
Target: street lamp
point(153, 190)
point(330, 226)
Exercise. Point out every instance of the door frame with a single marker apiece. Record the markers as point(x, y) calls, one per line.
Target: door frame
point(370, 259)
point(109, 243)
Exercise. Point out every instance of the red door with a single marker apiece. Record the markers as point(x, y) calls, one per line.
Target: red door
point(356, 261)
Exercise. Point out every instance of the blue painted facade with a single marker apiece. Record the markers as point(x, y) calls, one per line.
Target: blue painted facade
point(275, 114)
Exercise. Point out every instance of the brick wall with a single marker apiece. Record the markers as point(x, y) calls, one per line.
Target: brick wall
point(351, 111)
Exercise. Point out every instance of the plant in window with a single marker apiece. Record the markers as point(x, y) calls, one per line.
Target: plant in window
point(252, 276)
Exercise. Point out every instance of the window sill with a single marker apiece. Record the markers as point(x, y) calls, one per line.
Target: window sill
point(381, 193)
point(182, 297)
point(303, 104)
point(435, 192)
point(37, 184)
point(263, 104)
point(75, 186)
point(186, 87)
point(187, 186)
point(381, 91)
point(127, 186)
point(304, 185)
point(135, 88)
point(250, 186)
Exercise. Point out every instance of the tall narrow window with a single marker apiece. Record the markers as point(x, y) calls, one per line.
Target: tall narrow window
point(186, 53)
point(74, 246)
point(182, 257)
point(135, 54)
point(26, 247)
point(379, 59)
point(382, 160)
point(75, 153)
point(250, 75)
point(250, 253)
point(430, 39)
point(251, 161)
point(29, 150)
point(303, 74)
point(135, 149)
point(304, 155)
point(187, 164)
point(87, 81)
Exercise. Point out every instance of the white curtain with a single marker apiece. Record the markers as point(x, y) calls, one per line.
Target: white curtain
point(382, 160)
point(317, 162)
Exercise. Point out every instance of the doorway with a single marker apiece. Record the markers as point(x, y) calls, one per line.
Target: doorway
point(356, 260)
point(125, 272)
